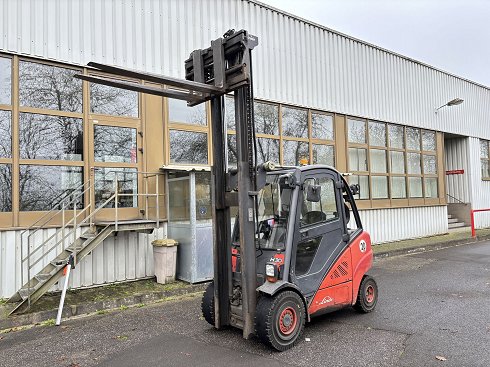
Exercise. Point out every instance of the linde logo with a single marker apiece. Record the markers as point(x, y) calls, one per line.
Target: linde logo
point(326, 300)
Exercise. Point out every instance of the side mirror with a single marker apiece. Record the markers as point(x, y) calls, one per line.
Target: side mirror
point(355, 188)
point(313, 193)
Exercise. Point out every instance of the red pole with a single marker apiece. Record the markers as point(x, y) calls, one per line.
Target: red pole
point(472, 216)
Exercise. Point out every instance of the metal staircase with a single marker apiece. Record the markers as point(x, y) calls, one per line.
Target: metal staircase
point(78, 235)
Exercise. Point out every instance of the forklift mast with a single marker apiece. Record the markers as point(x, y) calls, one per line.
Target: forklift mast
point(224, 67)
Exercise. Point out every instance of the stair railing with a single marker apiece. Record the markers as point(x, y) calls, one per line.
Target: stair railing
point(70, 228)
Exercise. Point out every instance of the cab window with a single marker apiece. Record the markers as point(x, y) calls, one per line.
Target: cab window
point(325, 209)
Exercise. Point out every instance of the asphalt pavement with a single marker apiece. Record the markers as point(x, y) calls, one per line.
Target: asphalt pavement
point(433, 310)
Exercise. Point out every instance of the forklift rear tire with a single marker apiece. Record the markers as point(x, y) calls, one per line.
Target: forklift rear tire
point(367, 296)
point(280, 320)
point(207, 304)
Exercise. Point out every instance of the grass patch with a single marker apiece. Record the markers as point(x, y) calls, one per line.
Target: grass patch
point(3, 301)
point(121, 337)
point(123, 307)
point(101, 312)
point(50, 322)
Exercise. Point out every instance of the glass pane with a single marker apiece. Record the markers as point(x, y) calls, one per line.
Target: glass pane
point(395, 134)
point(413, 161)
point(398, 188)
point(6, 185)
point(415, 184)
point(232, 152)
point(266, 118)
point(230, 112)
point(321, 126)
point(105, 184)
point(179, 201)
point(357, 159)
point(429, 140)
point(267, 150)
point(113, 101)
point(431, 187)
point(485, 172)
point(378, 161)
point(325, 209)
point(5, 80)
point(45, 187)
point(363, 182)
point(483, 148)
point(357, 131)
point(203, 196)
point(294, 122)
point(115, 144)
point(377, 134)
point(323, 154)
point(5, 134)
point(413, 138)
point(305, 253)
point(178, 111)
point(430, 166)
point(49, 87)
point(188, 147)
point(50, 137)
point(294, 151)
point(379, 187)
point(397, 162)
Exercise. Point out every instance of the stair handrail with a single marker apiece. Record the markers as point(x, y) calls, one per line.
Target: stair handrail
point(452, 197)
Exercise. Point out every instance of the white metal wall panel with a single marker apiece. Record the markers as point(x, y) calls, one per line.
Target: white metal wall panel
point(127, 256)
point(480, 189)
point(457, 157)
point(386, 225)
point(296, 62)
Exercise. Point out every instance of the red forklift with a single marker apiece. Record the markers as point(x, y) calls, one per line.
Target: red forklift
point(294, 252)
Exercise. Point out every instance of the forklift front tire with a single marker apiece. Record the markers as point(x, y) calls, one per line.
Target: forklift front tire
point(367, 296)
point(207, 304)
point(280, 320)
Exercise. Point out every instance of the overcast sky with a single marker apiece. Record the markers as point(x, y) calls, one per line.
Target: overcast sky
point(452, 35)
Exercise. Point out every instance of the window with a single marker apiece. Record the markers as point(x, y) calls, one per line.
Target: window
point(113, 101)
point(267, 150)
point(5, 134)
point(294, 122)
point(294, 152)
point(401, 162)
point(188, 147)
point(50, 137)
point(485, 159)
point(179, 112)
point(266, 118)
point(115, 144)
point(323, 154)
point(305, 253)
point(43, 187)
point(325, 209)
point(49, 87)
point(321, 126)
point(127, 186)
point(203, 196)
point(5, 81)
point(6, 187)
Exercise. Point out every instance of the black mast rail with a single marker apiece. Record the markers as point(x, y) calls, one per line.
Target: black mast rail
point(210, 73)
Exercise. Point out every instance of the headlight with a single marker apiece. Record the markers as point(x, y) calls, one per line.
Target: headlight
point(270, 270)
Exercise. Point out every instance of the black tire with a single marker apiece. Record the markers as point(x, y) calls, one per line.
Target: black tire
point(280, 320)
point(367, 297)
point(207, 304)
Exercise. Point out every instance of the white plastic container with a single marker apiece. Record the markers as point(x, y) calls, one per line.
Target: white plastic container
point(165, 260)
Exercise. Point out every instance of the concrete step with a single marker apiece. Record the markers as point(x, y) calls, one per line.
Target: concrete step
point(453, 220)
point(456, 225)
point(449, 216)
point(459, 229)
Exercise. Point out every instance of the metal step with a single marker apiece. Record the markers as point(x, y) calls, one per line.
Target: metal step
point(42, 277)
point(456, 225)
point(88, 235)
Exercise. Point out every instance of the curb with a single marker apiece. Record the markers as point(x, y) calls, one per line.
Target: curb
point(70, 311)
point(430, 247)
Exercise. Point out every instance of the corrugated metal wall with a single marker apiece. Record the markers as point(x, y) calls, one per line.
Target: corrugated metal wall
point(127, 256)
point(296, 62)
point(480, 189)
point(457, 157)
point(386, 225)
